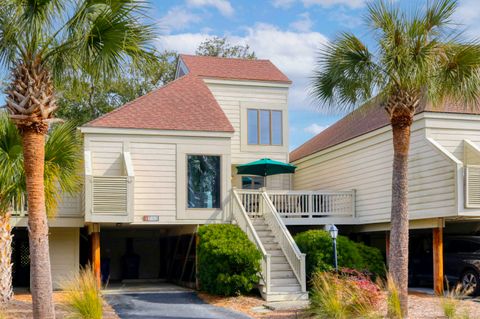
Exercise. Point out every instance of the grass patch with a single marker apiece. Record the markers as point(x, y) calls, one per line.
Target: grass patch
point(82, 295)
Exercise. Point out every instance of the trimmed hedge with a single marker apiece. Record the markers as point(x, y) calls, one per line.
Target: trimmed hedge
point(317, 245)
point(228, 262)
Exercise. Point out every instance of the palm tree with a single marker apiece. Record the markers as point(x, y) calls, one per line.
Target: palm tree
point(417, 56)
point(43, 41)
point(62, 164)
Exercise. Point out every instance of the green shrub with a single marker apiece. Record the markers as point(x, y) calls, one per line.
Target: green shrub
point(228, 262)
point(317, 245)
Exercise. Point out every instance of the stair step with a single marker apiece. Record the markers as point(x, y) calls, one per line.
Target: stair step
point(261, 227)
point(271, 246)
point(282, 274)
point(279, 260)
point(286, 288)
point(280, 267)
point(265, 233)
point(275, 252)
point(284, 281)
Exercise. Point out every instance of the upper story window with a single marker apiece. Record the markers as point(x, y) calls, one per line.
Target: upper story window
point(264, 127)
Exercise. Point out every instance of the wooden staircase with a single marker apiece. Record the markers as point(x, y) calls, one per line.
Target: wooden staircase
point(283, 265)
point(284, 285)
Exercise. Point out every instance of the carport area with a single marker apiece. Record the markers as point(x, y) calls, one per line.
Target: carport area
point(143, 255)
point(450, 251)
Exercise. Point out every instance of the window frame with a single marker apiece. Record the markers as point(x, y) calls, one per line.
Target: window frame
point(220, 163)
point(270, 126)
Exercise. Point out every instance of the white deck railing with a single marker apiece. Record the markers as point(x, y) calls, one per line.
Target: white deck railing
point(295, 257)
point(256, 203)
point(242, 218)
point(308, 204)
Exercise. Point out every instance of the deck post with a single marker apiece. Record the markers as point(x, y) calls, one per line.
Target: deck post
point(95, 239)
point(438, 260)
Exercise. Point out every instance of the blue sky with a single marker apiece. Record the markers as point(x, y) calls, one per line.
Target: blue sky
point(288, 32)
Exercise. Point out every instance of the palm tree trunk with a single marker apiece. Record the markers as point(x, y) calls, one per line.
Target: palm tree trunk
point(40, 274)
point(398, 255)
point(6, 290)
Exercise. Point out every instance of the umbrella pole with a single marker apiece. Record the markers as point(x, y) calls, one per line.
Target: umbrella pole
point(265, 181)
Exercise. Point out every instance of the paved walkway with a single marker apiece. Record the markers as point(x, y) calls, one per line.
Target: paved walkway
point(164, 302)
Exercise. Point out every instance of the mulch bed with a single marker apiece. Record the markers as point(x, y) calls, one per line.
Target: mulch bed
point(21, 307)
point(421, 306)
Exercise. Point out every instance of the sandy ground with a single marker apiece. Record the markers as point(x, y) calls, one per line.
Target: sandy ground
point(421, 306)
point(21, 307)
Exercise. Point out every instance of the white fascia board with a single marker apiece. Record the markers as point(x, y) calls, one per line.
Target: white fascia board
point(135, 131)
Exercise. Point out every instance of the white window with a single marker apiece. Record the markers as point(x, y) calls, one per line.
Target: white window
point(203, 177)
point(264, 127)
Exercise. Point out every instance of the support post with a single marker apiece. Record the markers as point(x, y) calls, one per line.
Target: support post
point(95, 238)
point(438, 260)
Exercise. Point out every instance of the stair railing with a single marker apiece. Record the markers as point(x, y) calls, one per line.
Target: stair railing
point(295, 257)
point(244, 222)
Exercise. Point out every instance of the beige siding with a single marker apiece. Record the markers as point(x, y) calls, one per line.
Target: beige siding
point(451, 130)
point(107, 157)
point(64, 253)
point(155, 165)
point(365, 164)
point(231, 98)
point(69, 206)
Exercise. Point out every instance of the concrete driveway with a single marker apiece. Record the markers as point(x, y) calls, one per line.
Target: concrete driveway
point(164, 301)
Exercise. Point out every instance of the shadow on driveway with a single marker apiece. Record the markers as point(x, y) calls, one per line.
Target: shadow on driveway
point(167, 305)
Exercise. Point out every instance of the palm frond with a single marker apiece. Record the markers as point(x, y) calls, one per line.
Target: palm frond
point(347, 73)
point(62, 164)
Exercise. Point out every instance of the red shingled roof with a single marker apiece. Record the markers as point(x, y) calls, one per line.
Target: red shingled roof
point(362, 121)
point(237, 69)
point(185, 104)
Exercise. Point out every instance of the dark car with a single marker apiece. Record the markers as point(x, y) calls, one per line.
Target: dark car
point(461, 259)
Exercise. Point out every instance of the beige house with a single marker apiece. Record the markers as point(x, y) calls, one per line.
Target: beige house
point(356, 153)
point(163, 164)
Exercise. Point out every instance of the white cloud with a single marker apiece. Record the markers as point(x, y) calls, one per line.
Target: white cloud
point(223, 6)
point(284, 4)
point(304, 24)
point(468, 14)
point(354, 4)
point(293, 52)
point(346, 20)
point(314, 128)
point(177, 18)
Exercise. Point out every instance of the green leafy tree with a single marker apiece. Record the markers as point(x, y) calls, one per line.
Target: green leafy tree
point(417, 56)
point(62, 163)
point(90, 100)
point(220, 47)
point(45, 42)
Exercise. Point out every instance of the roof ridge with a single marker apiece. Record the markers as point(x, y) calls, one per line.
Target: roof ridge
point(222, 57)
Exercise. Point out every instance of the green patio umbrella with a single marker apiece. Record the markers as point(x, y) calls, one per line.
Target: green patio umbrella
point(265, 167)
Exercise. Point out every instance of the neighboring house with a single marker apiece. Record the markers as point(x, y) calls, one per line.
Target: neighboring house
point(444, 174)
point(163, 164)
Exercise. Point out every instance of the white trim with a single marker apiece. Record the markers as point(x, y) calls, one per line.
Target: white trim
point(459, 183)
point(139, 131)
point(127, 159)
point(210, 80)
